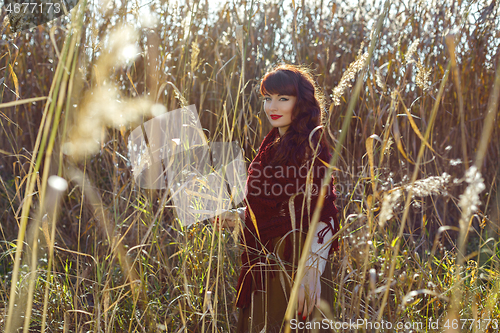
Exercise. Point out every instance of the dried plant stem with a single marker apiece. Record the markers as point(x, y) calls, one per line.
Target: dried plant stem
point(206, 299)
point(71, 63)
point(294, 32)
point(489, 121)
point(409, 195)
point(108, 231)
point(52, 236)
point(12, 320)
point(22, 101)
point(67, 59)
point(450, 40)
point(315, 218)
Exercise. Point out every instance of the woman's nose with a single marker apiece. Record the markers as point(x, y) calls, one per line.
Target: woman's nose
point(272, 105)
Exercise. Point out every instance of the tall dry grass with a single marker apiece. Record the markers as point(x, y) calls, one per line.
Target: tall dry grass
point(412, 119)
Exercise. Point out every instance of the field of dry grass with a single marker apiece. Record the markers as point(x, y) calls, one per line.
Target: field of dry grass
point(412, 91)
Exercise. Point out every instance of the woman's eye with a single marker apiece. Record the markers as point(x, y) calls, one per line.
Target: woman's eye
point(284, 99)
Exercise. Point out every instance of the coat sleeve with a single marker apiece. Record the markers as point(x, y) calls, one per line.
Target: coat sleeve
point(319, 251)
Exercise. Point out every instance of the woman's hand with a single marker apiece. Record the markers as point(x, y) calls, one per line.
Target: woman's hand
point(309, 291)
point(226, 219)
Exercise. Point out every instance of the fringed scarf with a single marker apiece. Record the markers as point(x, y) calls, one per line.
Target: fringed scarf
point(268, 192)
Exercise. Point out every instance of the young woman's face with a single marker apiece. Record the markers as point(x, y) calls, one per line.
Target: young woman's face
point(279, 110)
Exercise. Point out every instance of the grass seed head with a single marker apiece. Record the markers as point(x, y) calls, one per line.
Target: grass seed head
point(429, 186)
point(348, 76)
point(239, 37)
point(422, 78)
point(469, 201)
point(101, 108)
point(391, 199)
point(120, 50)
point(411, 51)
point(380, 81)
point(195, 51)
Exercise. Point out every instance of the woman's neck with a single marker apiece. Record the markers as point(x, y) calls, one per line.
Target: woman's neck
point(283, 129)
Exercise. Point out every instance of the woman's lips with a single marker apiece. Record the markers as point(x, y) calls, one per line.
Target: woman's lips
point(274, 117)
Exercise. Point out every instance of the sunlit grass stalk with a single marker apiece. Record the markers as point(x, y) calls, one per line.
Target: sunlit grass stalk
point(294, 32)
point(66, 59)
point(333, 161)
point(241, 82)
point(489, 122)
point(53, 229)
point(450, 40)
point(207, 284)
point(410, 192)
point(371, 228)
point(107, 228)
point(242, 39)
point(33, 175)
point(22, 101)
point(72, 59)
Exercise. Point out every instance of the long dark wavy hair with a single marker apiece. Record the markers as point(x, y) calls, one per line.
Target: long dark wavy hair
point(307, 114)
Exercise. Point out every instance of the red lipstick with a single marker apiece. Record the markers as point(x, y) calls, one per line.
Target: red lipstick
point(275, 116)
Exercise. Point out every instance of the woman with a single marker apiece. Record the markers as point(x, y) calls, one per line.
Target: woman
point(280, 204)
